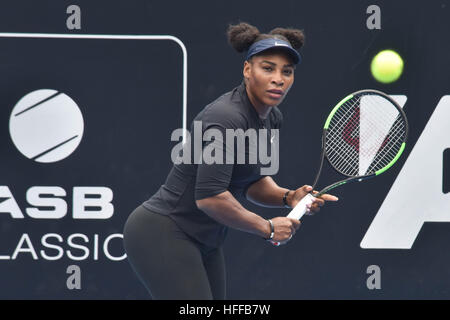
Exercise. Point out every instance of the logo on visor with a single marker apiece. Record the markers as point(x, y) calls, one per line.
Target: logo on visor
point(46, 125)
point(281, 44)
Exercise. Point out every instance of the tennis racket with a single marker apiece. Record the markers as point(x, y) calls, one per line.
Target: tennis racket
point(363, 136)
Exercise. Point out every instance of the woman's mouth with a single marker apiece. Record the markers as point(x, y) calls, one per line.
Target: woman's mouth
point(275, 94)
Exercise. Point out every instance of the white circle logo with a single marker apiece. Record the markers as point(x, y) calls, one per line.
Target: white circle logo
point(46, 125)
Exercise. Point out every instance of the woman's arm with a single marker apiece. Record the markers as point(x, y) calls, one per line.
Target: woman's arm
point(265, 192)
point(225, 209)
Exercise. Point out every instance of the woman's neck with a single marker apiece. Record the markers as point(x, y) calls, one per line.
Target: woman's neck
point(262, 109)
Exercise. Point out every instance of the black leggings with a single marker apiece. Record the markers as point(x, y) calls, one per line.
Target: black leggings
point(169, 263)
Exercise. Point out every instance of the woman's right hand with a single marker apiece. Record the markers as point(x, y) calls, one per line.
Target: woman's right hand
point(284, 229)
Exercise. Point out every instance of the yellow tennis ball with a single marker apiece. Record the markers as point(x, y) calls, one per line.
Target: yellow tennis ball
point(387, 66)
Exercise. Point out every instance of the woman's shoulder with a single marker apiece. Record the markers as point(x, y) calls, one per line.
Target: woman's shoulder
point(276, 117)
point(226, 111)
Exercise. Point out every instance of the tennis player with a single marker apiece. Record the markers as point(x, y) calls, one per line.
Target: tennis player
point(174, 240)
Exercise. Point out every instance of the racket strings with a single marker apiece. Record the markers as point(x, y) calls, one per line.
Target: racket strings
point(342, 158)
point(381, 144)
point(345, 164)
point(374, 128)
point(388, 144)
point(343, 119)
point(343, 155)
point(386, 154)
point(362, 153)
point(356, 149)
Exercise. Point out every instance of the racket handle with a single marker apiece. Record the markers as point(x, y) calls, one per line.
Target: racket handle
point(299, 210)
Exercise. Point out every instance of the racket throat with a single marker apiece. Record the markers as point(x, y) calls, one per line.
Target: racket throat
point(322, 158)
point(339, 183)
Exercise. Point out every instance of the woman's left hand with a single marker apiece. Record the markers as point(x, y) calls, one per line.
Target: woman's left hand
point(317, 202)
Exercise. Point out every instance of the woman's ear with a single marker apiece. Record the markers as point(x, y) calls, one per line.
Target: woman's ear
point(246, 70)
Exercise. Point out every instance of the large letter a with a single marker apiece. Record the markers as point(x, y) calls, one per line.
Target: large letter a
point(417, 195)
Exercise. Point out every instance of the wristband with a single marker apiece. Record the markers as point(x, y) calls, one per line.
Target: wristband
point(272, 231)
point(285, 199)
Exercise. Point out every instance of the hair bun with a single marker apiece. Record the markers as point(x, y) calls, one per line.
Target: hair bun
point(296, 37)
point(241, 36)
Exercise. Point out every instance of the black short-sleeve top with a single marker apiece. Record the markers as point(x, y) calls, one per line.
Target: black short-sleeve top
point(196, 179)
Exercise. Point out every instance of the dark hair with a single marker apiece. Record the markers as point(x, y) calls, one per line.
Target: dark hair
point(242, 35)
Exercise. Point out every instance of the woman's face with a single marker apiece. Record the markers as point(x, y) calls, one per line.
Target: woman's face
point(268, 78)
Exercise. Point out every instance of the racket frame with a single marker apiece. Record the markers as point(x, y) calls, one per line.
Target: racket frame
point(361, 177)
point(300, 209)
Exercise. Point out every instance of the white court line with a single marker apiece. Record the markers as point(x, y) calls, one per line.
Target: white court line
point(118, 37)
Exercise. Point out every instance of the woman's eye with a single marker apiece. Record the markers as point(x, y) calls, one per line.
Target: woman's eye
point(267, 68)
point(288, 72)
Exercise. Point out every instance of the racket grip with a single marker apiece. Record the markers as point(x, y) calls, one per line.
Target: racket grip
point(301, 207)
point(299, 210)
